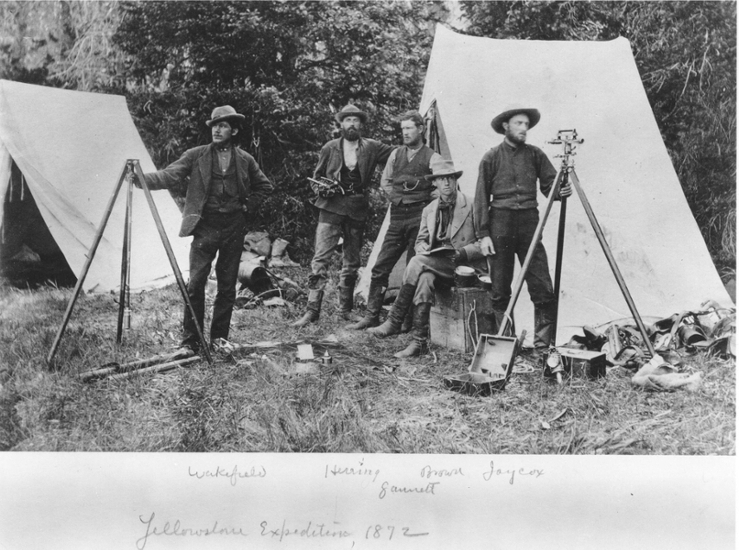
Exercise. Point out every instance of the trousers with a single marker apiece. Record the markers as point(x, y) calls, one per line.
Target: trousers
point(221, 234)
point(327, 237)
point(405, 221)
point(423, 271)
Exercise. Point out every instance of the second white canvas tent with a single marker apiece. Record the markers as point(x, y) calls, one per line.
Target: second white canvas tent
point(71, 148)
point(624, 168)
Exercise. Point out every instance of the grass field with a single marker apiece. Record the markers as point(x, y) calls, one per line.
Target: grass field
point(365, 401)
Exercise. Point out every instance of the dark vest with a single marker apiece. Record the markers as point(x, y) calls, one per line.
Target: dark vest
point(351, 180)
point(409, 184)
point(224, 188)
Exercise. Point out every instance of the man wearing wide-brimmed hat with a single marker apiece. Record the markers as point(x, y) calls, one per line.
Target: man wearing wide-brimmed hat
point(446, 239)
point(349, 163)
point(506, 215)
point(220, 184)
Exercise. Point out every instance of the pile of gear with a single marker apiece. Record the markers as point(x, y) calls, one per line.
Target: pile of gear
point(710, 330)
point(258, 284)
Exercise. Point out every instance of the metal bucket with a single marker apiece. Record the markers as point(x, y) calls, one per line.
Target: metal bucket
point(464, 277)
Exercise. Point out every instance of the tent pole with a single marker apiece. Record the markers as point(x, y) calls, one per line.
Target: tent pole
point(170, 254)
point(124, 306)
point(86, 268)
point(612, 262)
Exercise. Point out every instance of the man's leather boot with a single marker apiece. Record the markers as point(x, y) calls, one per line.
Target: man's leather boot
point(346, 304)
point(397, 313)
point(313, 311)
point(420, 343)
point(544, 319)
point(375, 297)
point(408, 321)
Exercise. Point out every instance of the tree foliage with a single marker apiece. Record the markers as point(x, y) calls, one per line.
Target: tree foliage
point(287, 66)
point(686, 55)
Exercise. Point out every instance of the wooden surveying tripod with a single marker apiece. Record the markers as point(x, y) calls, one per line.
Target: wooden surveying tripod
point(569, 141)
point(131, 170)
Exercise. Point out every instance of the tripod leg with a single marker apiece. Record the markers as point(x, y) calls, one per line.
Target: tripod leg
point(86, 268)
point(558, 264)
point(170, 255)
point(612, 262)
point(123, 302)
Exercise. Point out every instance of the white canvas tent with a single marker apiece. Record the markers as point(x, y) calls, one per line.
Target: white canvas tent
point(70, 148)
point(623, 166)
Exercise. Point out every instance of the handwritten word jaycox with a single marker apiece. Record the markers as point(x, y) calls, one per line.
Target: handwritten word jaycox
point(428, 472)
point(232, 475)
point(310, 531)
point(176, 529)
point(351, 471)
point(386, 488)
point(511, 473)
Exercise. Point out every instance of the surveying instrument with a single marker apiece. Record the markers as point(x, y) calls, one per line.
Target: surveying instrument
point(131, 171)
point(492, 362)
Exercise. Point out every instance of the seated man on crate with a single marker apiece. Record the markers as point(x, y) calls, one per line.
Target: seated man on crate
point(446, 239)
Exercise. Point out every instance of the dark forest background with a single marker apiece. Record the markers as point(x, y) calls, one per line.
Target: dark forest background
point(288, 66)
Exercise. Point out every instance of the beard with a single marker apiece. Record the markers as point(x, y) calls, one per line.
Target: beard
point(515, 138)
point(350, 134)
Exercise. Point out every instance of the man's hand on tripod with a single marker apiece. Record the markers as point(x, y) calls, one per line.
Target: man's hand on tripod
point(565, 190)
point(486, 246)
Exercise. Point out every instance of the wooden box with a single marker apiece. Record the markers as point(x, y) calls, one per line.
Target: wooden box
point(459, 316)
point(580, 363)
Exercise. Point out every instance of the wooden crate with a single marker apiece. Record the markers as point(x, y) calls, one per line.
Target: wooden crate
point(448, 321)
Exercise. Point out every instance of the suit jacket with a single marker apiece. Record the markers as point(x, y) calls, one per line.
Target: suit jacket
point(190, 177)
point(462, 230)
point(330, 160)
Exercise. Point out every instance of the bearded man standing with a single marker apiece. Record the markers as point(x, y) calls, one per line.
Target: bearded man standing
point(349, 161)
point(506, 217)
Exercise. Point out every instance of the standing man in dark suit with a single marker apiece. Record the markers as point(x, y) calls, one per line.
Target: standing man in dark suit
point(349, 161)
point(221, 184)
point(404, 182)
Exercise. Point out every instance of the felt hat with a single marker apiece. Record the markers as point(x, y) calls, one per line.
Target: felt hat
point(351, 110)
point(223, 113)
point(533, 114)
point(443, 168)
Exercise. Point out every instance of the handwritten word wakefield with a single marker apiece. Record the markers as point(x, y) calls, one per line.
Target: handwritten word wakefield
point(233, 475)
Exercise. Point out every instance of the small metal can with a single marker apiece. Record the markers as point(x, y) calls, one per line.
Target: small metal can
point(327, 359)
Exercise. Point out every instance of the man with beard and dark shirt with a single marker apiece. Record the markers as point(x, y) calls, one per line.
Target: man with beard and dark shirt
point(506, 217)
point(404, 182)
point(221, 184)
point(342, 209)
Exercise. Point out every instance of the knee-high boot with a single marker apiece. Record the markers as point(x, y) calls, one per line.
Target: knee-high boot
point(375, 297)
point(420, 343)
point(395, 319)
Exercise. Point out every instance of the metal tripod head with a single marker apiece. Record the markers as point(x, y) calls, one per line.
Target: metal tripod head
point(569, 141)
